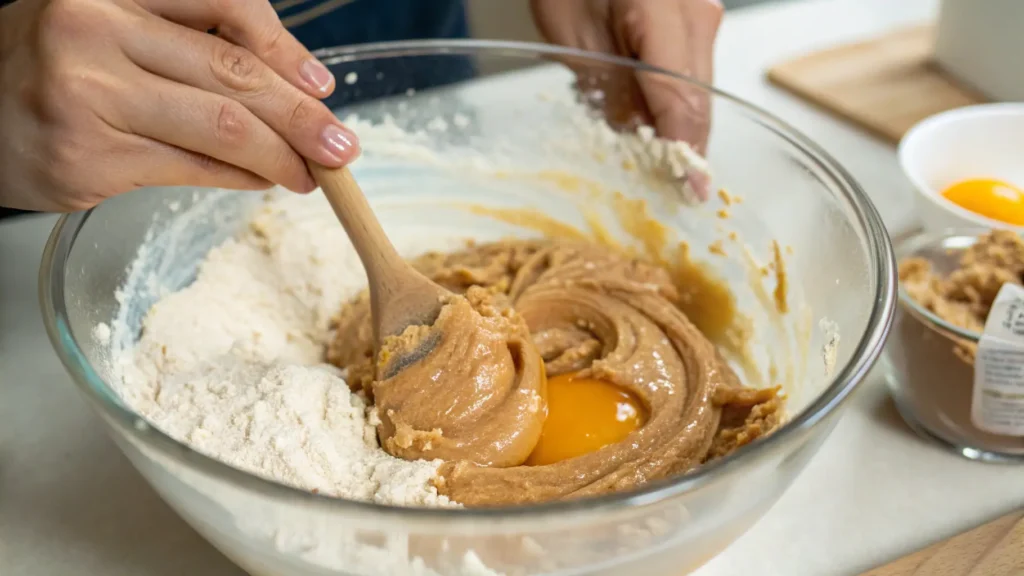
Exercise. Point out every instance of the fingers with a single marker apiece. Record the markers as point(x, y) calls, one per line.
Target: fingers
point(159, 164)
point(254, 25)
point(703, 18)
point(581, 24)
point(565, 22)
point(79, 170)
point(213, 125)
point(214, 65)
point(681, 110)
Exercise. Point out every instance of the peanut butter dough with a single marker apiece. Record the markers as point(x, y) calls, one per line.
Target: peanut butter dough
point(964, 297)
point(477, 396)
point(476, 400)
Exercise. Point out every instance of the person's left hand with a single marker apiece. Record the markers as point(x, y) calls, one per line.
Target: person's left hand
point(677, 35)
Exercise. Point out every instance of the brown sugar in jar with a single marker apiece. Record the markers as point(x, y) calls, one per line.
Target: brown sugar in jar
point(948, 283)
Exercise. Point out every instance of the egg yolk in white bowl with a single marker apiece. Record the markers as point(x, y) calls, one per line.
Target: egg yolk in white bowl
point(990, 198)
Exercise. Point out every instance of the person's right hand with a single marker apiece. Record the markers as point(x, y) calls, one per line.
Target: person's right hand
point(99, 97)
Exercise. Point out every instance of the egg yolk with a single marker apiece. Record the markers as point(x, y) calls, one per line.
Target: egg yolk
point(583, 415)
point(993, 199)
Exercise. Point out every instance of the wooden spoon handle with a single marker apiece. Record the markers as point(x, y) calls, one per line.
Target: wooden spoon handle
point(399, 295)
point(378, 255)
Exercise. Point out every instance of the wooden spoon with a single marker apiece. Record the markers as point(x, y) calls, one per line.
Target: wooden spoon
point(400, 296)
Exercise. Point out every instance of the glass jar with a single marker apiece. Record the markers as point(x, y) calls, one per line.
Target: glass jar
point(929, 363)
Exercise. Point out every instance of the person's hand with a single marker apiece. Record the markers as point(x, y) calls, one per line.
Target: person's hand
point(99, 97)
point(677, 35)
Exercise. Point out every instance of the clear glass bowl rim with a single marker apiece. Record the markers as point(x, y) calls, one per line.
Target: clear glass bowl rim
point(868, 348)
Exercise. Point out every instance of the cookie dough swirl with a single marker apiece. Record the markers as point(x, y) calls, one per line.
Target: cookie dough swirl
point(587, 308)
point(478, 394)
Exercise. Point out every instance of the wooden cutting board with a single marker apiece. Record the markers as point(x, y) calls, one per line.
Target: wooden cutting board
point(993, 549)
point(885, 85)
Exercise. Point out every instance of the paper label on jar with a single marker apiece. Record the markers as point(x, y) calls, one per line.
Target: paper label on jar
point(997, 405)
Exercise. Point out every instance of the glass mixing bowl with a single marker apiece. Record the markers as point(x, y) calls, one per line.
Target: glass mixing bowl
point(838, 262)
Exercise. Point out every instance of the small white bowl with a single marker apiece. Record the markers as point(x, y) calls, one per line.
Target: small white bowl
point(983, 141)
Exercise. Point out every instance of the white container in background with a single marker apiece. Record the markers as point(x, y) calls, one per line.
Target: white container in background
point(981, 43)
point(983, 141)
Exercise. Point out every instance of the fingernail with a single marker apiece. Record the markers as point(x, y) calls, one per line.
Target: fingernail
point(340, 143)
point(316, 75)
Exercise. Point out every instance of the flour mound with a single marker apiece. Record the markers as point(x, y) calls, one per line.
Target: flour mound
point(232, 365)
point(299, 425)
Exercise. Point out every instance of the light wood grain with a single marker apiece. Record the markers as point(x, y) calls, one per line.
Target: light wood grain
point(993, 549)
point(885, 85)
point(399, 295)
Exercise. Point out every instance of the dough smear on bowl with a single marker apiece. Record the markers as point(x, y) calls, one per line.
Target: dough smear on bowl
point(477, 400)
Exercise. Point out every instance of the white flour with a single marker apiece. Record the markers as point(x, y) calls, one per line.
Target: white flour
point(295, 424)
point(231, 364)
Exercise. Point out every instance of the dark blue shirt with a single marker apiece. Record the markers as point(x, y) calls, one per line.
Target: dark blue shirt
point(324, 23)
point(328, 23)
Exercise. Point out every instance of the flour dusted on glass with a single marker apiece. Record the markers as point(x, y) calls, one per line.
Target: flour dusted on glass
point(101, 332)
point(629, 158)
point(669, 164)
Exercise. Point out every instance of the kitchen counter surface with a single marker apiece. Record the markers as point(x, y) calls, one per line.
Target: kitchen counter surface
point(70, 503)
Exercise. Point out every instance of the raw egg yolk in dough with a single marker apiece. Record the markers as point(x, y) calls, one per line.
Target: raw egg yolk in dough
point(990, 198)
point(583, 415)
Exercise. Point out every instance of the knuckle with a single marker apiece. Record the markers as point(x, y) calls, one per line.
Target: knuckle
point(61, 21)
point(237, 68)
point(254, 24)
point(633, 15)
point(231, 127)
point(703, 13)
point(84, 86)
point(61, 17)
point(227, 9)
point(289, 166)
point(273, 42)
point(715, 7)
point(302, 114)
point(64, 93)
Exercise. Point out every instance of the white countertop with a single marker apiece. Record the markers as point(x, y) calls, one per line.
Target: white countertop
point(70, 503)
